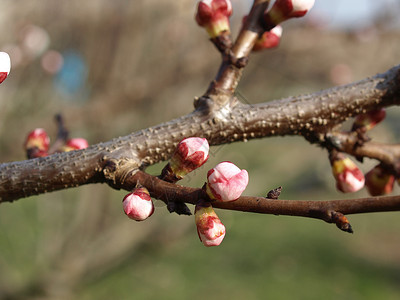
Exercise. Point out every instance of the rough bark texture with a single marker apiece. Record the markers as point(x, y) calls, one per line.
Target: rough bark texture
point(312, 116)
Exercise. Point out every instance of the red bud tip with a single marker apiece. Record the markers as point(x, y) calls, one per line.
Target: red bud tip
point(226, 182)
point(214, 16)
point(370, 119)
point(5, 66)
point(210, 229)
point(270, 39)
point(286, 9)
point(75, 144)
point(349, 177)
point(379, 182)
point(37, 143)
point(138, 204)
point(190, 154)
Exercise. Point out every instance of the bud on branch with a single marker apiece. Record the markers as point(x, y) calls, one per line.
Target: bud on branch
point(75, 144)
point(5, 66)
point(37, 143)
point(210, 229)
point(348, 176)
point(138, 204)
point(214, 15)
point(269, 39)
point(226, 182)
point(190, 154)
point(283, 10)
point(379, 181)
point(369, 120)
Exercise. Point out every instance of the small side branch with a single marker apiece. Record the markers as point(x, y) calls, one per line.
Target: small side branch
point(234, 59)
point(332, 211)
point(348, 142)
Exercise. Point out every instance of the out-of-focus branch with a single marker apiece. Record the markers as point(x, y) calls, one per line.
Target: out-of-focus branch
point(348, 142)
point(62, 134)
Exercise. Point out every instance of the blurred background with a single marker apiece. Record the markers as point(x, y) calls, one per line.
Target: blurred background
point(114, 67)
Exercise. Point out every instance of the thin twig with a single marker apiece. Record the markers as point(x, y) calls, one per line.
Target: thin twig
point(224, 85)
point(323, 210)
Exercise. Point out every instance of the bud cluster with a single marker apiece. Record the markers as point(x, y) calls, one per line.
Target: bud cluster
point(37, 144)
point(225, 182)
point(380, 179)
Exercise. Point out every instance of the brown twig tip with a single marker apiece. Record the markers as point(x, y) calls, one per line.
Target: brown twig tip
point(62, 132)
point(275, 193)
point(341, 222)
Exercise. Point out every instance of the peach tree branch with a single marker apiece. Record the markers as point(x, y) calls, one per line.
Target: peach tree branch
point(329, 211)
point(312, 116)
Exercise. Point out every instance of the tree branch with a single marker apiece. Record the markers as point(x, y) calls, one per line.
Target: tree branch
point(235, 58)
point(323, 210)
point(311, 116)
point(348, 142)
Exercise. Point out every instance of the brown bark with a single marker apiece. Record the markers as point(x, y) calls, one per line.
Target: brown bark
point(312, 116)
point(222, 119)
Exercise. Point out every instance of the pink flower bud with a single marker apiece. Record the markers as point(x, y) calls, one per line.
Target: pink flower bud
point(138, 205)
point(37, 143)
point(75, 144)
point(190, 154)
point(379, 182)
point(226, 182)
point(5, 66)
point(270, 39)
point(286, 9)
point(348, 176)
point(369, 119)
point(213, 15)
point(210, 229)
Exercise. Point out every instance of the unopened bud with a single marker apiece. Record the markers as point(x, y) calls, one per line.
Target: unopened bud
point(341, 222)
point(190, 154)
point(75, 144)
point(37, 143)
point(378, 181)
point(269, 39)
point(349, 177)
point(214, 15)
point(287, 9)
point(138, 204)
point(210, 229)
point(368, 120)
point(226, 182)
point(5, 66)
